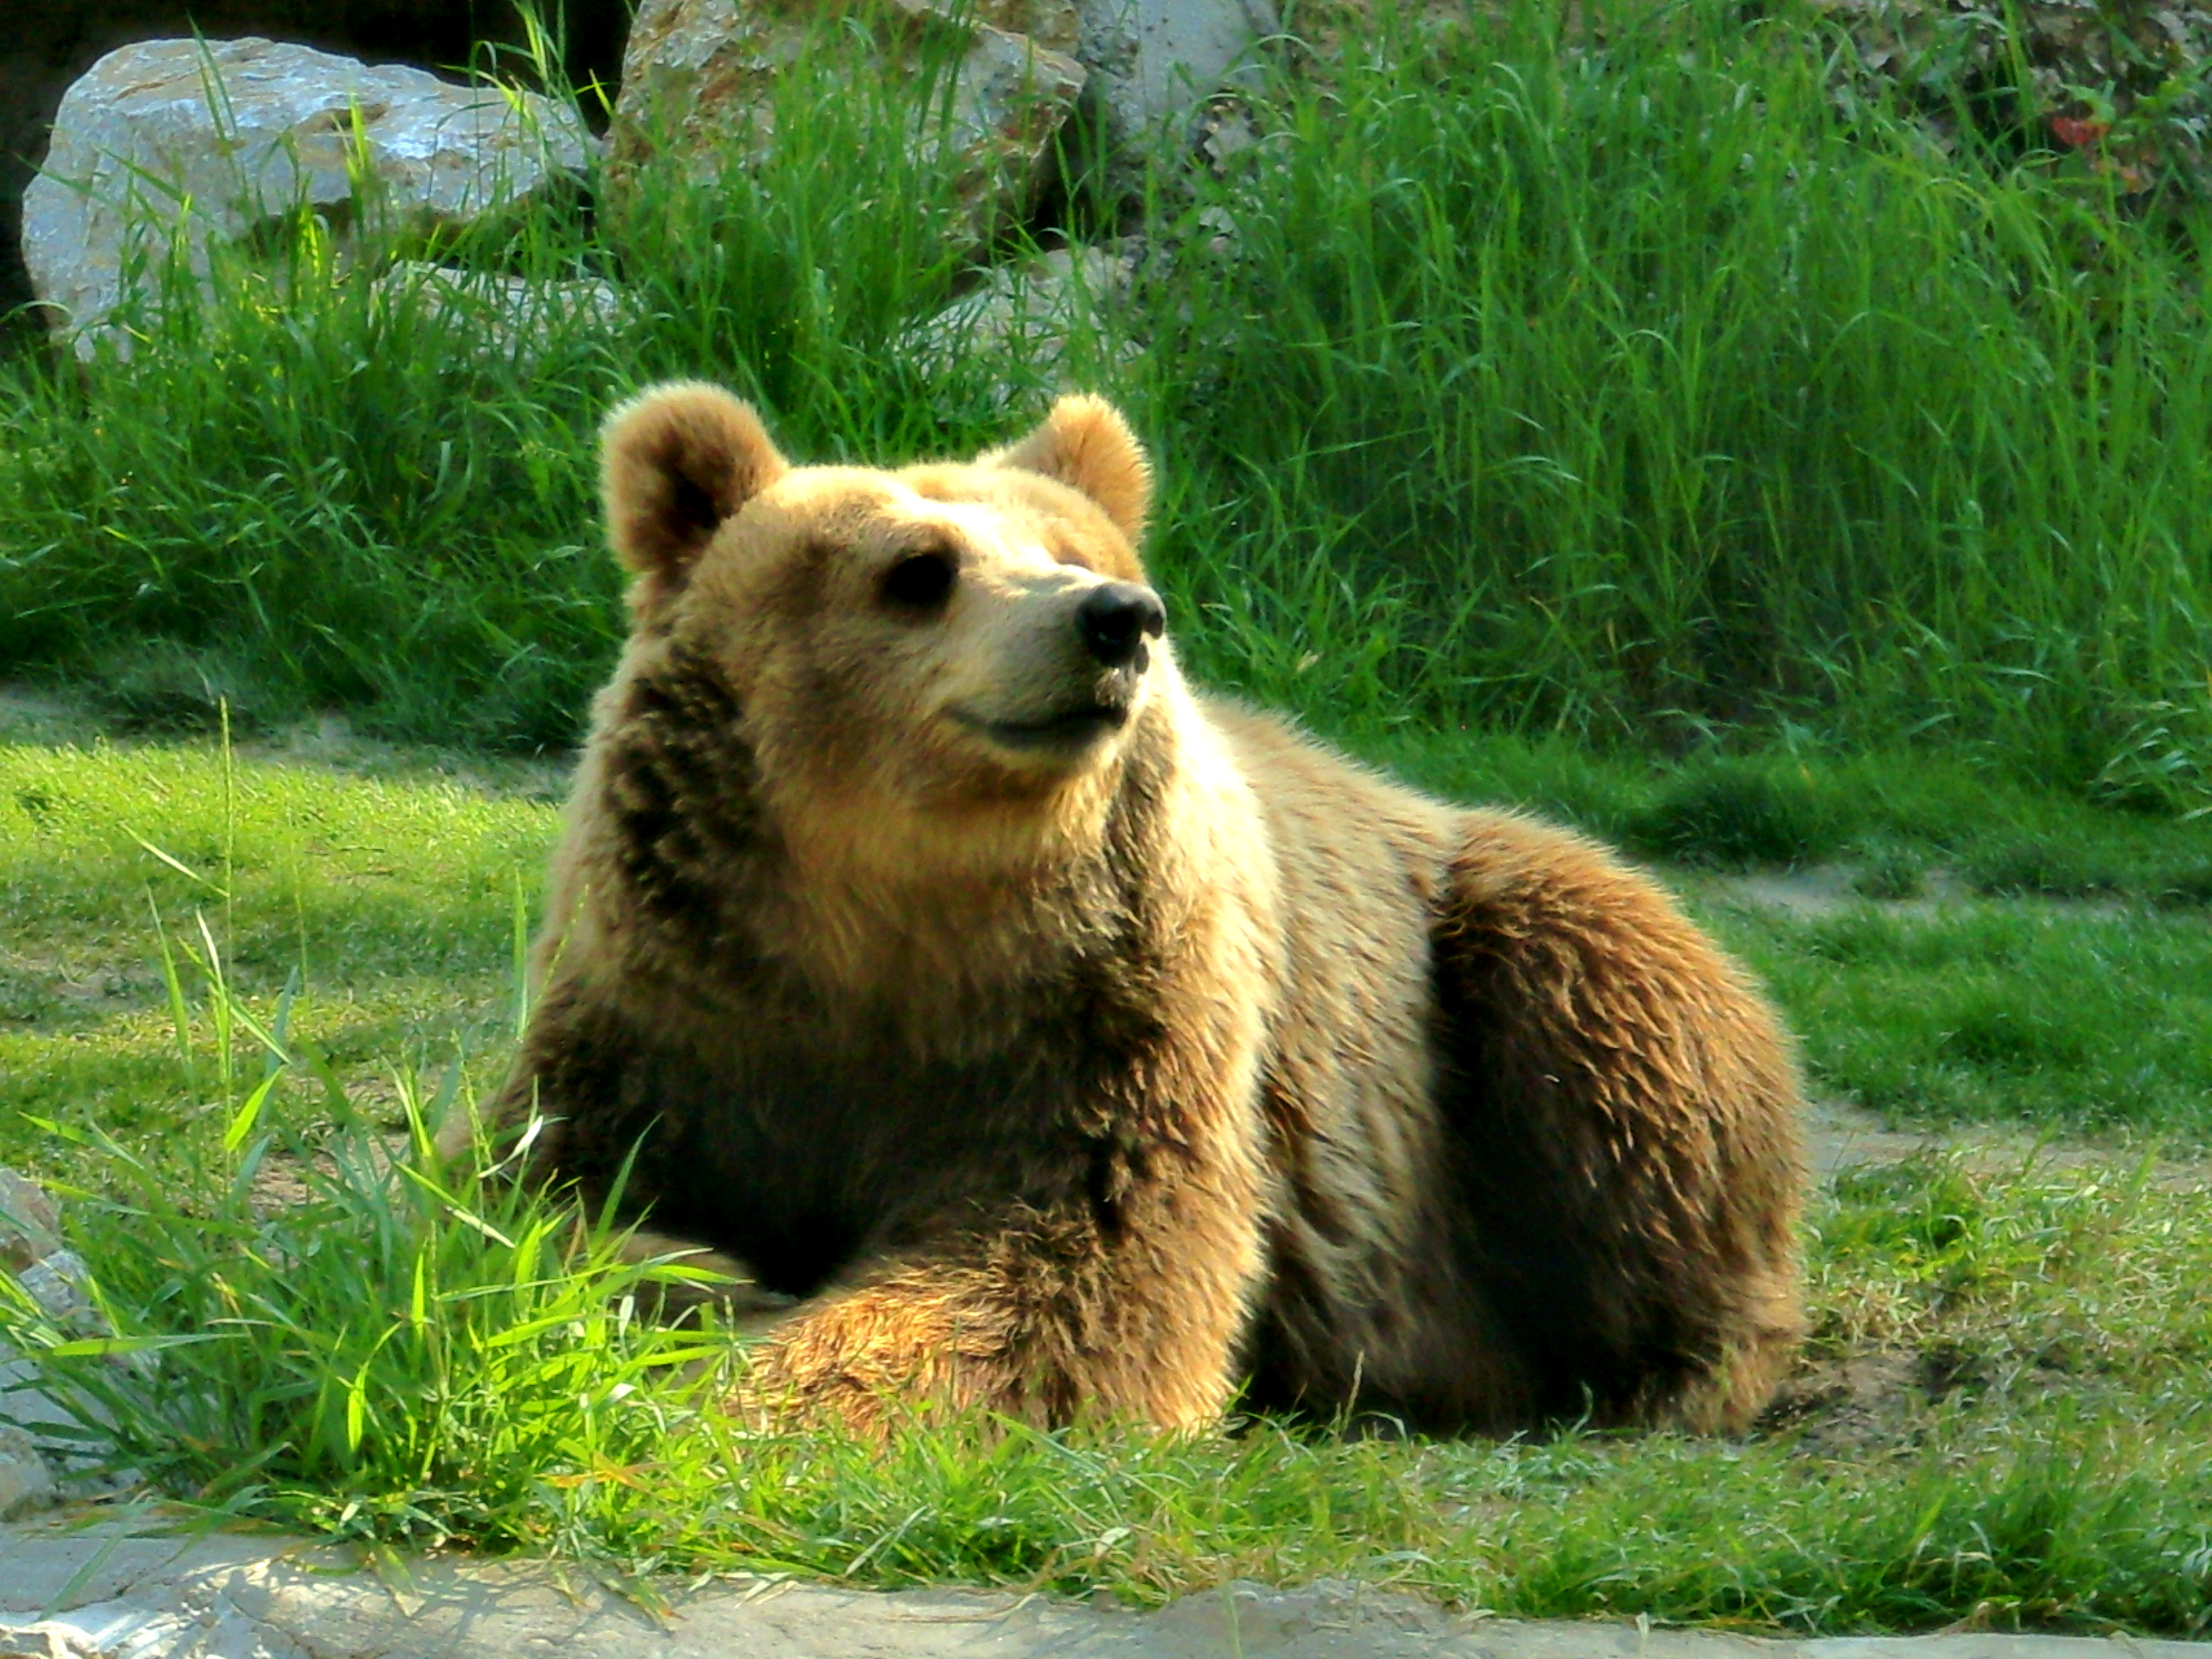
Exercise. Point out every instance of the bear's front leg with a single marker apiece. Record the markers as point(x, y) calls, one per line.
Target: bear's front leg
point(1132, 1310)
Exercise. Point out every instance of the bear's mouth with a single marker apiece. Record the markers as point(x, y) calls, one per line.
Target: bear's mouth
point(1070, 729)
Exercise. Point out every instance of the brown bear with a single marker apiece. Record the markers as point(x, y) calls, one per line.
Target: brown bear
point(1063, 1041)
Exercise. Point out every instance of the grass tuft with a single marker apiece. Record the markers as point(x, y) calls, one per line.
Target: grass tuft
point(1736, 812)
point(329, 1329)
point(1889, 871)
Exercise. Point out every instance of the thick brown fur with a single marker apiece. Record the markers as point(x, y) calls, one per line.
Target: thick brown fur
point(1064, 1041)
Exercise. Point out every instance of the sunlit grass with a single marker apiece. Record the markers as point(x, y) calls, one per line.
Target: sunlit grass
point(387, 905)
point(2001, 1417)
point(2068, 1021)
point(1628, 388)
point(384, 891)
point(392, 1355)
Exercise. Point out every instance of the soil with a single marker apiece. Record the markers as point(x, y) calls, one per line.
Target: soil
point(32, 715)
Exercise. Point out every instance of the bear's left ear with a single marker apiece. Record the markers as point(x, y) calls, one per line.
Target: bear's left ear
point(1086, 445)
point(675, 462)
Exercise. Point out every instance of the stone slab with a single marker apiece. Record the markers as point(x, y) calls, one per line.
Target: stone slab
point(109, 1589)
point(206, 141)
point(58, 1564)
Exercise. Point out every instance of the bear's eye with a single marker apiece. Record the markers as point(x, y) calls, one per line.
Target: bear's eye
point(920, 583)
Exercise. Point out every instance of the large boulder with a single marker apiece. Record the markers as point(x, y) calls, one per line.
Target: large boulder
point(46, 45)
point(1155, 62)
point(215, 138)
point(700, 78)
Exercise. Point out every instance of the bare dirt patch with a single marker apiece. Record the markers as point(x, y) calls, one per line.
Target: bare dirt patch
point(32, 714)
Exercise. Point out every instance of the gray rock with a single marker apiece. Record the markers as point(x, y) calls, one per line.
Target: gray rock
point(505, 317)
point(26, 1482)
point(209, 140)
point(1155, 62)
point(74, 1446)
point(1053, 25)
point(699, 75)
point(47, 1450)
point(116, 1591)
point(46, 45)
point(58, 1281)
point(30, 1226)
point(48, 1640)
point(1020, 316)
point(30, 1252)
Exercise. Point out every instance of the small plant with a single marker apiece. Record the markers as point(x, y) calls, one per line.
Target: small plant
point(159, 685)
point(1732, 812)
point(2050, 868)
point(1921, 1217)
point(1892, 873)
point(331, 1327)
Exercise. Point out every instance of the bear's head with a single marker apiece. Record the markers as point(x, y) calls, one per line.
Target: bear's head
point(963, 643)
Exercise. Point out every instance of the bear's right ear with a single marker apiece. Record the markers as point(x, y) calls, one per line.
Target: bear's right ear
point(1086, 445)
point(675, 462)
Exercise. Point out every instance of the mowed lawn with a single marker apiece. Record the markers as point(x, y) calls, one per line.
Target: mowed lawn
point(375, 895)
point(380, 891)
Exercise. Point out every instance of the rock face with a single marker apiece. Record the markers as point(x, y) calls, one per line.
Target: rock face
point(700, 77)
point(246, 129)
point(1155, 61)
point(46, 45)
point(26, 1482)
point(38, 1465)
point(109, 1588)
point(1020, 317)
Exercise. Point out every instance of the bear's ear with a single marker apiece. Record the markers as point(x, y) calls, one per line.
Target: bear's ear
point(1086, 445)
point(674, 463)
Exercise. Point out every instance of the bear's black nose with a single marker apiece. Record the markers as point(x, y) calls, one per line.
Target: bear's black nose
point(1115, 620)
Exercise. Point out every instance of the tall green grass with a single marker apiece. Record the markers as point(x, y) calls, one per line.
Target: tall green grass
point(1598, 389)
point(376, 1346)
point(1630, 388)
point(309, 488)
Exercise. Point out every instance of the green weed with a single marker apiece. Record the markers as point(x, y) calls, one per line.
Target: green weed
point(1890, 872)
point(331, 1330)
point(1733, 811)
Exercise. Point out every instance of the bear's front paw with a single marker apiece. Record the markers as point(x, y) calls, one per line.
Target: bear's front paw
point(872, 1355)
